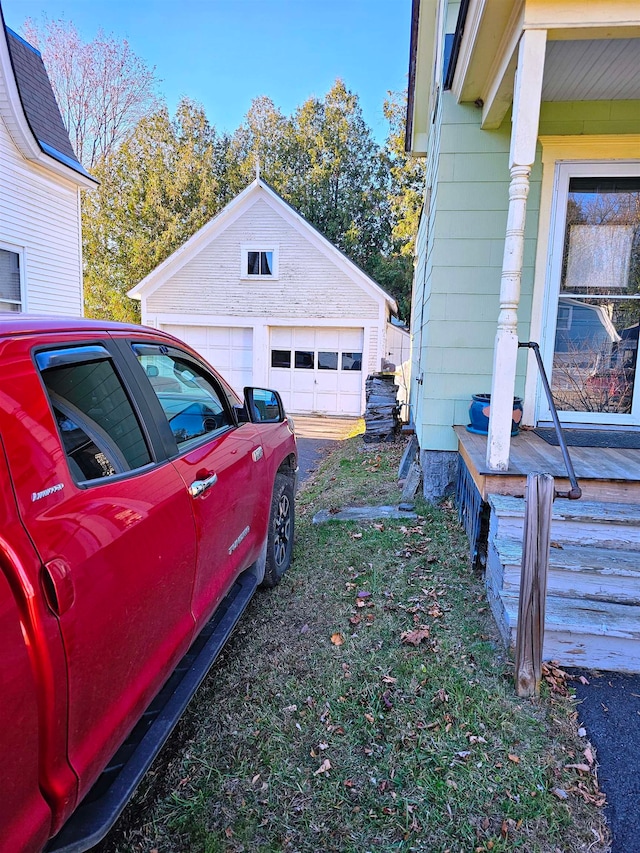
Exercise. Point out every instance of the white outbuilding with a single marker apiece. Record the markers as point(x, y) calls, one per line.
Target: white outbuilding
point(269, 301)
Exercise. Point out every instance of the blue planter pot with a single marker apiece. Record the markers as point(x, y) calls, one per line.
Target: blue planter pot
point(479, 414)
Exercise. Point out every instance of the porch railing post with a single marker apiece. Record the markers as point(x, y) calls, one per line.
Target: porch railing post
point(533, 583)
point(524, 134)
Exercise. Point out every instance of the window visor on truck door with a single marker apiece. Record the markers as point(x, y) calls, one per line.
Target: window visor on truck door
point(99, 429)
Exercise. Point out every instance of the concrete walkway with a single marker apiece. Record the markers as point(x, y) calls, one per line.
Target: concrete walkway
point(326, 428)
point(316, 436)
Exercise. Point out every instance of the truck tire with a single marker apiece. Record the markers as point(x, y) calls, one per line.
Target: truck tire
point(281, 529)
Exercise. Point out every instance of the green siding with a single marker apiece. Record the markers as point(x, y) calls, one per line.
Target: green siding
point(462, 268)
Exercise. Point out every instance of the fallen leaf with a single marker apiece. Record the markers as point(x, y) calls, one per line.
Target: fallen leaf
point(588, 755)
point(560, 793)
point(355, 619)
point(388, 679)
point(476, 739)
point(514, 758)
point(583, 768)
point(363, 594)
point(368, 718)
point(324, 767)
point(386, 698)
point(415, 637)
point(583, 680)
point(378, 526)
point(337, 639)
point(356, 535)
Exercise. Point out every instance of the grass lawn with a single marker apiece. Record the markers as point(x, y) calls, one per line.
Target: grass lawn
point(367, 705)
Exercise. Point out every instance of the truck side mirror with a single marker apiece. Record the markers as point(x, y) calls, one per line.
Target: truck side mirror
point(263, 406)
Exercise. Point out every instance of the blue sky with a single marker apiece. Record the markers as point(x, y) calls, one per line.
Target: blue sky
point(224, 53)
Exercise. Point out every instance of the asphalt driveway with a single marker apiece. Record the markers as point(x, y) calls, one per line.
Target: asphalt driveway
point(609, 709)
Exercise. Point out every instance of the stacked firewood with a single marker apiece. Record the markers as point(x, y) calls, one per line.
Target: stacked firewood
point(382, 414)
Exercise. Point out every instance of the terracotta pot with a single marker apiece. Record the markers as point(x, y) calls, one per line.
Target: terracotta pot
point(479, 414)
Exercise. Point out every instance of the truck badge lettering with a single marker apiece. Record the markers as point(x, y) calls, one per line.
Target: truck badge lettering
point(242, 536)
point(36, 496)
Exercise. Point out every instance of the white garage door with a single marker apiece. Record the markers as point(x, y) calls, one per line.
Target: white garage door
point(318, 370)
point(228, 348)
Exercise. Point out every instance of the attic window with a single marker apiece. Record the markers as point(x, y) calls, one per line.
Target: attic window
point(259, 262)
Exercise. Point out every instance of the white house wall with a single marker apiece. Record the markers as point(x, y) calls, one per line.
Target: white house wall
point(39, 217)
point(210, 283)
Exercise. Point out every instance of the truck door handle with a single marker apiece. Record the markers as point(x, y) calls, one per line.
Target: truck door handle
point(199, 487)
point(58, 586)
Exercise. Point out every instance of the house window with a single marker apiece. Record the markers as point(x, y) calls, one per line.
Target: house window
point(10, 280)
point(259, 262)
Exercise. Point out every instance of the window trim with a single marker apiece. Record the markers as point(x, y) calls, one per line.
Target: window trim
point(245, 248)
point(20, 252)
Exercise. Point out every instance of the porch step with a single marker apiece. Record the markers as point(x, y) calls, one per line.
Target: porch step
point(597, 523)
point(575, 571)
point(596, 634)
point(593, 584)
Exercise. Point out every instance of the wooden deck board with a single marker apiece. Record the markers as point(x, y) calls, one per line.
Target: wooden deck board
point(603, 473)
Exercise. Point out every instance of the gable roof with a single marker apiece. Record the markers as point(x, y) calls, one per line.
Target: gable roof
point(30, 111)
point(258, 189)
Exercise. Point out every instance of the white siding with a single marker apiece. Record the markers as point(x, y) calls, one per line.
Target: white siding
point(40, 215)
point(308, 284)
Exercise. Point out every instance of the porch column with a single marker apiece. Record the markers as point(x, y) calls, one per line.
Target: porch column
point(524, 133)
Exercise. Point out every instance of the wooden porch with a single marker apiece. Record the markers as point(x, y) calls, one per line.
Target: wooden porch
point(604, 473)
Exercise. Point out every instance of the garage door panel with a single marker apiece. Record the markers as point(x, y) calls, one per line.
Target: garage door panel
point(327, 403)
point(326, 386)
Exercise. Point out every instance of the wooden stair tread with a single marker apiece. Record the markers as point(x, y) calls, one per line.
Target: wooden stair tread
point(596, 618)
point(575, 558)
point(563, 509)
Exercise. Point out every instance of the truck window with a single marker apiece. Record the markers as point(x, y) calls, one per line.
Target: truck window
point(99, 428)
point(191, 400)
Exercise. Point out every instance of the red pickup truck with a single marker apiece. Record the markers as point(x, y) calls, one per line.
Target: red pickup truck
point(142, 505)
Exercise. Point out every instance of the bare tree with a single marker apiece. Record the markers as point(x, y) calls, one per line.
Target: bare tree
point(103, 89)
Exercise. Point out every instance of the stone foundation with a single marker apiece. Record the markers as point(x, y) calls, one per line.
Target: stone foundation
point(439, 470)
